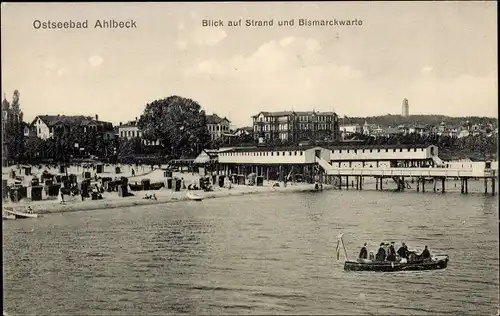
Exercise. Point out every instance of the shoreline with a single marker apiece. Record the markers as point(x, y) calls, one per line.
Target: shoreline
point(46, 207)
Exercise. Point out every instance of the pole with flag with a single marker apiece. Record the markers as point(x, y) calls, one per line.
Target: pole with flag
point(341, 241)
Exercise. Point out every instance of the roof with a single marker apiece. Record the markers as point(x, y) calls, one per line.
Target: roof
point(246, 128)
point(129, 124)
point(359, 146)
point(215, 119)
point(392, 130)
point(294, 113)
point(271, 148)
point(53, 120)
point(206, 155)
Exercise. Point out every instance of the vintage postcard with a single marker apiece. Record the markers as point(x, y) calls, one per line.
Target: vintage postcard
point(211, 158)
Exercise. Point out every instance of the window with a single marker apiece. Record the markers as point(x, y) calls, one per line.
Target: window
point(386, 150)
point(400, 150)
point(378, 150)
point(301, 153)
point(283, 153)
point(295, 153)
point(272, 153)
point(415, 149)
point(394, 150)
point(348, 151)
point(277, 153)
point(290, 153)
point(408, 149)
point(340, 151)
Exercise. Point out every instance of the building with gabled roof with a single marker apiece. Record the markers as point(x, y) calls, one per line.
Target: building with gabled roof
point(47, 126)
point(217, 126)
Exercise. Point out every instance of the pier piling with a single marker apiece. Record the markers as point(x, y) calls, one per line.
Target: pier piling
point(423, 185)
point(418, 184)
point(485, 185)
point(493, 185)
point(462, 183)
point(443, 180)
point(434, 184)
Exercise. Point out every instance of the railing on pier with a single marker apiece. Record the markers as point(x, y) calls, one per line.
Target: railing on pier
point(405, 172)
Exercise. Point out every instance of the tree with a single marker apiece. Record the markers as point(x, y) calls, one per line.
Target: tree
point(34, 148)
point(179, 123)
point(14, 129)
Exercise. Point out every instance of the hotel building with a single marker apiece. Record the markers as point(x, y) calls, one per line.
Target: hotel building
point(294, 126)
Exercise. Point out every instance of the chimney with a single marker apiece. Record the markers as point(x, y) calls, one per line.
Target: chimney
point(97, 117)
point(136, 118)
point(120, 123)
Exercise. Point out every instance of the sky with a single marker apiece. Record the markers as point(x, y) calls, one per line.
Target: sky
point(441, 56)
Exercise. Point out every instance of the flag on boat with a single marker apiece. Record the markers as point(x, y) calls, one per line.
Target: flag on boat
point(339, 237)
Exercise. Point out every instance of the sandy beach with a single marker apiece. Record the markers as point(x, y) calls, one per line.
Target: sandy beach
point(163, 195)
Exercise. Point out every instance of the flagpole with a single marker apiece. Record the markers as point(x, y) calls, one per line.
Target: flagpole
point(345, 251)
point(341, 240)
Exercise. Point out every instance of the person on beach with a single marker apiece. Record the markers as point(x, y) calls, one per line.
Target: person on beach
point(61, 196)
point(363, 254)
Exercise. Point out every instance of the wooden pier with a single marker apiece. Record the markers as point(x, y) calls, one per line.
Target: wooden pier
point(422, 176)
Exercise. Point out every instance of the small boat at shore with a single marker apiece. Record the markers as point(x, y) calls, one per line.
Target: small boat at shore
point(436, 263)
point(17, 214)
point(8, 216)
point(194, 196)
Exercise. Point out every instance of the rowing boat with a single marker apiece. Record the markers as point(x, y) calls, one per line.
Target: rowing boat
point(435, 263)
point(194, 196)
point(21, 214)
point(8, 216)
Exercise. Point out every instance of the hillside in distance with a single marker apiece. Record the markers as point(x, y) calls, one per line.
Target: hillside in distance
point(395, 120)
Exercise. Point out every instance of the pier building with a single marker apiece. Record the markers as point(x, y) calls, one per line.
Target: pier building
point(356, 156)
point(338, 164)
point(273, 163)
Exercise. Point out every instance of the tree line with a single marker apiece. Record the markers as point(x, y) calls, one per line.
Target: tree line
point(426, 120)
point(180, 126)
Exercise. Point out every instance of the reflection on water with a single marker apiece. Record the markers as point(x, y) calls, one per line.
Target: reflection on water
point(262, 254)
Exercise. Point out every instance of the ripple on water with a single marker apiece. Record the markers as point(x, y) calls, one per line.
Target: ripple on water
point(266, 254)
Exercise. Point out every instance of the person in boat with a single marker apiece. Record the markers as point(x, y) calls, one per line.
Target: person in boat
point(403, 251)
point(426, 255)
point(386, 249)
point(380, 256)
point(363, 254)
point(391, 253)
